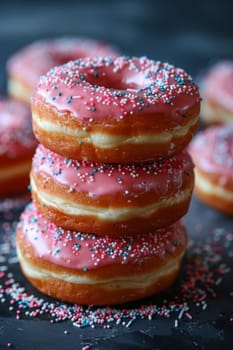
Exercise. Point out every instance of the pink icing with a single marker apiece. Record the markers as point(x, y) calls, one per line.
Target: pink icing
point(98, 179)
point(16, 137)
point(36, 59)
point(212, 151)
point(218, 85)
point(87, 251)
point(112, 88)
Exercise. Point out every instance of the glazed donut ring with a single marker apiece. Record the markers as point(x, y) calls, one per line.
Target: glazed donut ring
point(217, 93)
point(212, 152)
point(88, 269)
point(112, 199)
point(121, 110)
point(26, 66)
point(17, 146)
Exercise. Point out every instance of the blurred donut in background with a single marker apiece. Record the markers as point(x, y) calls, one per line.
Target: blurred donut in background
point(17, 146)
point(217, 94)
point(212, 153)
point(26, 66)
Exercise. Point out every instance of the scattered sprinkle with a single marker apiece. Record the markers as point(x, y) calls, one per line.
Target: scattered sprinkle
point(204, 271)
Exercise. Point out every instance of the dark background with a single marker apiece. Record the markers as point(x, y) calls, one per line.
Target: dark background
point(190, 34)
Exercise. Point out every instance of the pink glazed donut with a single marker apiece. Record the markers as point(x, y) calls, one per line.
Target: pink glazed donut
point(114, 199)
point(26, 66)
point(17, 146)
point(217, 93)
point(87, 269)
point(115, 110)
point(212, 152)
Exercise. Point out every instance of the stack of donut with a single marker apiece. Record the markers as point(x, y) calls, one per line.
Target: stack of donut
point(110, 179)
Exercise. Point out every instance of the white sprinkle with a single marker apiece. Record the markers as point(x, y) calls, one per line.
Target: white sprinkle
point(204, 306)
point(181, 312)
point(130, 322)
point(219, 280)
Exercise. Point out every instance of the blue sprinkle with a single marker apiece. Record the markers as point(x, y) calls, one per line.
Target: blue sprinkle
point(77, 245)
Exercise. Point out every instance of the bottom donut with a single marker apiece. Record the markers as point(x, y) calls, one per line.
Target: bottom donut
point(97, 270)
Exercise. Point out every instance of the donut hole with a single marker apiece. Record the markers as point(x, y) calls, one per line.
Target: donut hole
point(123, 82)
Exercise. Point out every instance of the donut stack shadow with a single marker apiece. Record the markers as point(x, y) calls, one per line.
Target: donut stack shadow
point(98, 231)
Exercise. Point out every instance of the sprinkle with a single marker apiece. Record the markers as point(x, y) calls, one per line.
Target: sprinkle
point(205, 268)
point(130, 322)
point(188, 315)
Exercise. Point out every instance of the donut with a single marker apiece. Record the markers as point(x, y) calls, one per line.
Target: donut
point(212, 152)
point(26, 66)
point(115, 110)
point(114, 199)
point(217, 93)
point(17, 146)
point(88, 269)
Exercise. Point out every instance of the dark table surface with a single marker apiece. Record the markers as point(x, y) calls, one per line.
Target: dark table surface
point(191, 35)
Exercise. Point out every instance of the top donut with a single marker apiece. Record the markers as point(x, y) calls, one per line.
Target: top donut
point(115, 110)
point(26, 66)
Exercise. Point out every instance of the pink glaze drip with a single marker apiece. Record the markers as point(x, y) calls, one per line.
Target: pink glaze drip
point(212, 151)
point(112, 88)
point(87, 251)
point(218, 85)
point(16, 137)
point(98, 179)
point(38, 58)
